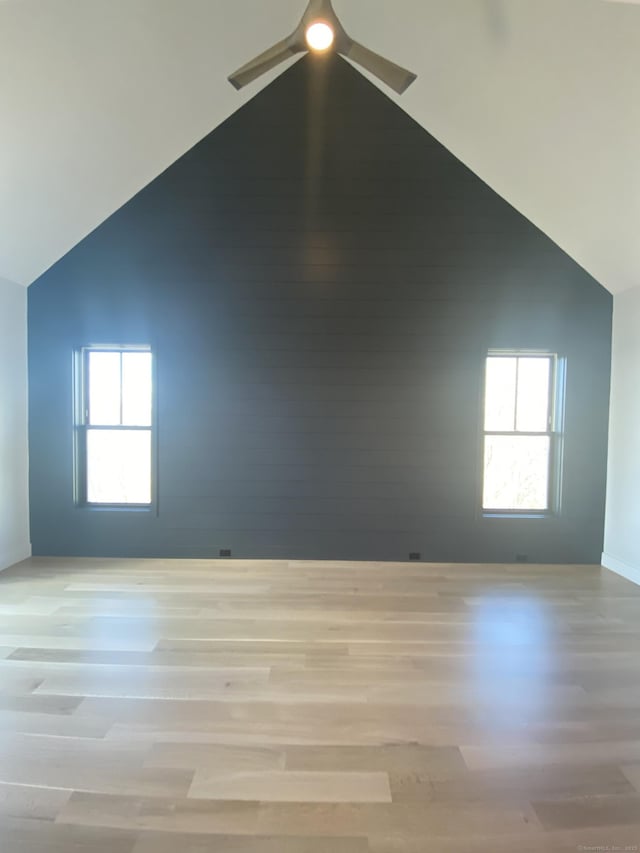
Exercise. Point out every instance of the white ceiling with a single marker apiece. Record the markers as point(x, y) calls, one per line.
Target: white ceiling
point(541, 98)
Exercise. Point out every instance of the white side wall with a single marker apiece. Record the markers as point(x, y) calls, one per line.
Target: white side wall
point(14, 463)
point(622, 525)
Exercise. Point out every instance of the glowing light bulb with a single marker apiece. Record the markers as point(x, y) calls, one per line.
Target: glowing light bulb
point(320, 36)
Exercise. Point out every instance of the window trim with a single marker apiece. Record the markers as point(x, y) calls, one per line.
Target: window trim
point(555, 432)
point(81, 428)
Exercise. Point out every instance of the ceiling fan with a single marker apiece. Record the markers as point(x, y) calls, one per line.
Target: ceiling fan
point(320, 30)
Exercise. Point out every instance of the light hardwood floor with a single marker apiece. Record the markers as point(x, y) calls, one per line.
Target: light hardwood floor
point(151, 706)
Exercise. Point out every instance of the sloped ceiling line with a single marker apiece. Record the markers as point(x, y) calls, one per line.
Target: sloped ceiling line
point(539, 98)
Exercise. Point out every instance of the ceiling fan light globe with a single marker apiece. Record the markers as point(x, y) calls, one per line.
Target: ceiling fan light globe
point(319, 36)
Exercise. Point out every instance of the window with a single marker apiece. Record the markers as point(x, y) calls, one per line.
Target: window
point(521, 458)
point(114, 426)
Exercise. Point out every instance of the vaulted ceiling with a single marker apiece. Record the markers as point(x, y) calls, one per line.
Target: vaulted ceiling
point(541, 98)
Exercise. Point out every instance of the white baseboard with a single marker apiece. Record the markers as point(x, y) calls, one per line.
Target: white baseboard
point(631, 573)
point(14, 555)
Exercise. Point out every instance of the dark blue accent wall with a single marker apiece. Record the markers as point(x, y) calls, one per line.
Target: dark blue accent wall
point(320, 281)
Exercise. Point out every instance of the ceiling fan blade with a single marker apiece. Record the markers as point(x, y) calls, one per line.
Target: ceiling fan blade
point(265, 62)
point(396, 77)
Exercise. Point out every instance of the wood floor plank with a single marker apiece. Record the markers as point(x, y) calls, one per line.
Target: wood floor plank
point(632, 773)
point(85, 764)
point(291, 786)
point(511, 785)
point(30, 703)
point(37, 639)
point(30, 835)
point(157, 843)
point(614, 839)
point(235, 706)
point(61, 725)
point(32, 802)
point(538, 755)
point(219, 759)
point(166, 683)
point(412, 759)
point(578, 813)
point(298, 819)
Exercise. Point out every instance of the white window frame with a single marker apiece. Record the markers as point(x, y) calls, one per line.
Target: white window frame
point(82, 426)
point(554, 431)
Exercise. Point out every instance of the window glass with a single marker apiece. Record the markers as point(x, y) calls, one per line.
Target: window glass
point(500, 395)
point(104, 388)
point(119, 466)
point(533, 395)
point(516, 472)
point(136, 388)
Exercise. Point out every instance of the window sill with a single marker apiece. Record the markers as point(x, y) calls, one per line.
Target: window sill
point(116, 507)
point(519, 515)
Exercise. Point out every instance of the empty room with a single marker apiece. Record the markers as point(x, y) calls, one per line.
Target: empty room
point(319, 426)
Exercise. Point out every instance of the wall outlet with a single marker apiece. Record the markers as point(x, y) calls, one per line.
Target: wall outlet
point(225, 552)
point(414, 555)
point(522, 558)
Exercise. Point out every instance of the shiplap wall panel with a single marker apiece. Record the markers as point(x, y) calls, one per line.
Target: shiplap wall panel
point(320, 281)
